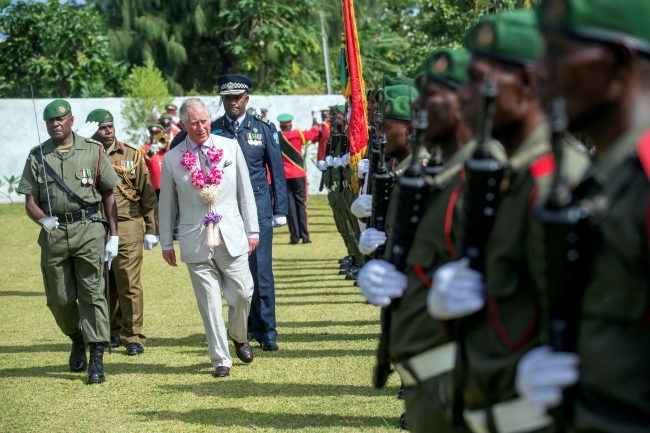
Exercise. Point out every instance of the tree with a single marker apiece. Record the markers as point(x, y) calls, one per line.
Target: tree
point(60, 50)
point(12, 184)
point(145, 89)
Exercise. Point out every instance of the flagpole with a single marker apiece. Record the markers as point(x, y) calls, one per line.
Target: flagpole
point(326, 55)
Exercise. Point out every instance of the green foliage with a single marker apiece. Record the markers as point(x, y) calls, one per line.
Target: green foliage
point(61, 50)
point(144, 90)
point(11, 183)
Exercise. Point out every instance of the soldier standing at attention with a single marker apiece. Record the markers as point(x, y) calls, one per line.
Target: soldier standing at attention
point(258, 140)
point(137, 207)
point(498, 306)
point(601, 50)
point(291, 143)
point(153, 153)
point(263, 112)
point(420, 351)
point(79, 177)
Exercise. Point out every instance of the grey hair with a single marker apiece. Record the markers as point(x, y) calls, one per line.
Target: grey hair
point(191, 104)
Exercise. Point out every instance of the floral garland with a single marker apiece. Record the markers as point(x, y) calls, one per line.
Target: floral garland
point(209, 186)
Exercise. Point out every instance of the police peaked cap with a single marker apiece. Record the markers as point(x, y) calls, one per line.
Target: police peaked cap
point(233, 84)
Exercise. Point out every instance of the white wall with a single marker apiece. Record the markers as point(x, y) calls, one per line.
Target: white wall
point(18, 133)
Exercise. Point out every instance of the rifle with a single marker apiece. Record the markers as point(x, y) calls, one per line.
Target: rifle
point(414, 190)
point(563, 259)
point(328, 150)
point(335, 175)
point(484, 174)
point(345, 148)
point(382, 184)
point(436, 164)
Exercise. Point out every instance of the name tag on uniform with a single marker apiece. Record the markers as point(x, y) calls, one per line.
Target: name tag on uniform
point(254, 139)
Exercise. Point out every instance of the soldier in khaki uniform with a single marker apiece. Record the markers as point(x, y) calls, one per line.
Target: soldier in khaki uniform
point(72, 239)
point(602, 53)
point(498, 308)
point(137, 207)
point(416, 342)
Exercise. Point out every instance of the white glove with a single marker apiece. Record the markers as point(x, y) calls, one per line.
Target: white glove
point(50, 224)
point(370, 240)
point(337, 162)
point(154, 149)
point(380, 282)
point(542, 374)
point(321, 165)
point(363, 168)
point(329, 160)
point(110, 252)
point(348, 114)
point(457, 291)
point(346, 159)
point(176, 119)
point(362, 206)
point(279, 219)
point(88, 130)
point(151, 241)
point(314, 112)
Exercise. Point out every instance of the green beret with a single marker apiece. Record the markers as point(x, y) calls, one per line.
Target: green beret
point(154, 126)
point(509, 36)
point(171, 107)
point(599, 20)
point(264, 110)
point(56, 108)
point(398, 108)
point(165, 118)
point(448, 66)
point(340, 108)
point(393, 92)
point(99, 115)
point(388, 81)
point(285, 118)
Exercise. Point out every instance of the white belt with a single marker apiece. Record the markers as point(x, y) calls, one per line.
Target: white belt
point(512, 416)
point(427, 364)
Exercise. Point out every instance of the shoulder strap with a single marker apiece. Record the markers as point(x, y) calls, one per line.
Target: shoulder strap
point(58, 180)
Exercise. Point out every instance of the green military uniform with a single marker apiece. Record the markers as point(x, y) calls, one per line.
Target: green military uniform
point(494, 339)
point(137, 207)
point(613, 392)
point(72, 262)
point(414, 336)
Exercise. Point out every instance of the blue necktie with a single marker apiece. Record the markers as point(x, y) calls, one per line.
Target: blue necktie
point(235, 124)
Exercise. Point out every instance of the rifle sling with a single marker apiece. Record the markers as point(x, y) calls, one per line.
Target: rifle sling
point(58, 180)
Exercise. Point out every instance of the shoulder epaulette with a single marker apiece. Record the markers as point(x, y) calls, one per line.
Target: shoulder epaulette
point(261, 119)
point(90, 140)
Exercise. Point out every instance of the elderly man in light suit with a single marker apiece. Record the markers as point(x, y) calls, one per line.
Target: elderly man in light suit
point(225, 266)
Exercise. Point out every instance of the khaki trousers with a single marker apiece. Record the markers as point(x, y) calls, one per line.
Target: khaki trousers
point(231, 275)
point(126, 294)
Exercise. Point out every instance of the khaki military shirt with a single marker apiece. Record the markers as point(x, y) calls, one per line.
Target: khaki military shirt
point(495, 339)
point(614, 334)
point(85, 169)
point(135, 197)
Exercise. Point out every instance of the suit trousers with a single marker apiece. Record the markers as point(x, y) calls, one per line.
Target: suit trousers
point(232, 276)
point(261, 321)
point(297, 200)
point(126, 300)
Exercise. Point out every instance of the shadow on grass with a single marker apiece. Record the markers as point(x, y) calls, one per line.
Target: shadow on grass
point(325, 324)
point(294, 353)
point(304, 260)
point(284, 282)
point(110, 368)
point(256, 420)
point(244, 389)
point(20, 293)
point(360, 301)
point(307, 338)
point(284, 274)
point(304, 295)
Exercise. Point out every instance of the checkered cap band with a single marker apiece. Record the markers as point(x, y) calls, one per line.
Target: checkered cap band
point(231, 88)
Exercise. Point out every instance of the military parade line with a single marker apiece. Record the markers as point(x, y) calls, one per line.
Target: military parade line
point(499, 217)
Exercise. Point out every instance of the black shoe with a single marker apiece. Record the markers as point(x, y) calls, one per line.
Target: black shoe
point(346, 259)
point(269, 345)
point(356, 283)
point(306, 241)
point(402, 421)
point(134, 349)
point(352, 275)
point(400, 393)
point(96, 364)
point(78, 360)
point(115, 341)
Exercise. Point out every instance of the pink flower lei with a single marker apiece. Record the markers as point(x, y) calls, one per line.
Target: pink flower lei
point(198, 176)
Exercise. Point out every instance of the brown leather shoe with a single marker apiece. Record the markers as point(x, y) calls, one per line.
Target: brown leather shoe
point(221, 371)
point(244, 352)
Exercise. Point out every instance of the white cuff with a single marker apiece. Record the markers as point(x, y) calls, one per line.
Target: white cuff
point(167, 247)
point(253, 235)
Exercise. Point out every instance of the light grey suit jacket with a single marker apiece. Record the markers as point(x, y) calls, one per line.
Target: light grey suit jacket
point(235, 203)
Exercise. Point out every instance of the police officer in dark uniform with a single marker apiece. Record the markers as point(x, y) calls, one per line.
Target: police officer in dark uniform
point(259, 141)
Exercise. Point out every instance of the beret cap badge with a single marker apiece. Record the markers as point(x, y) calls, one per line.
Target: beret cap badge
point(388, 108)
point(61, 109)
point(485, 35)
point(441, 64)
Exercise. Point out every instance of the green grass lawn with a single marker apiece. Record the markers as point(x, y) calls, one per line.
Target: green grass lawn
point(318, 381)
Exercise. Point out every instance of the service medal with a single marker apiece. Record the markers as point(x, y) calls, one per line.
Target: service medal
point(250, 142)
point(84, 180)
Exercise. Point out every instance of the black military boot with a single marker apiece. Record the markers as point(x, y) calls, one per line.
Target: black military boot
point(78, 352)
point(96, 364)
point(402, 422)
